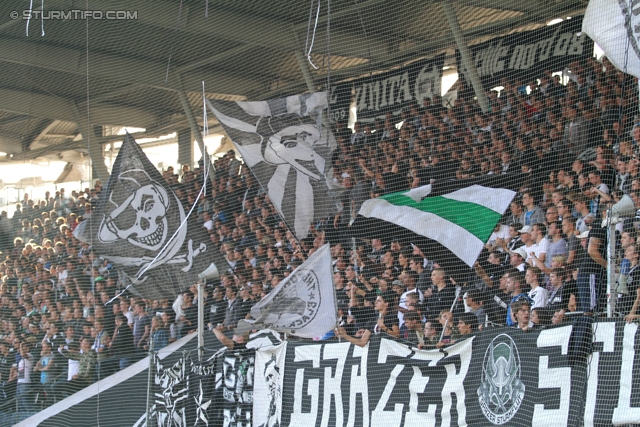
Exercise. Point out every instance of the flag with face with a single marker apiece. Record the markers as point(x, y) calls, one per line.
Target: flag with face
point(141, 226)
point(288, 149)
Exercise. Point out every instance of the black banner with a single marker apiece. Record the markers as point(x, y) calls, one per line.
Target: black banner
point(501, 377)
point(171, 393)
point(340, 102)
point(390, 91)
point(200, 407)
point(528, 54)
point(580, 374)
point(234, 379)
point(613, 383)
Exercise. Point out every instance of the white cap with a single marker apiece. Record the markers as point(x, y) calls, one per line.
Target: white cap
point(526, 229)
point(522, 251)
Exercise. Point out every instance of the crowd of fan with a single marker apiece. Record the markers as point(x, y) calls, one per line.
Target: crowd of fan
point(574, 147)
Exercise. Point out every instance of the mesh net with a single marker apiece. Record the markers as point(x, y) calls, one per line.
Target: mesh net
point(471, 165)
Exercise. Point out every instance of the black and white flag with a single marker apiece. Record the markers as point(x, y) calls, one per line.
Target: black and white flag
point(234, 378)
point(269, 374)
point(288, 149)
point(141, 226)
point(615, 26)
point(303, 304)
point(202, 400)
point(171, 394)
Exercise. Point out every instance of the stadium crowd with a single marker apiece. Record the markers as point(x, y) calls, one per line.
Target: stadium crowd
point(573, 146)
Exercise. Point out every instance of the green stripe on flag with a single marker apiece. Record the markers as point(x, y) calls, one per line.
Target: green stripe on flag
point(474, 218)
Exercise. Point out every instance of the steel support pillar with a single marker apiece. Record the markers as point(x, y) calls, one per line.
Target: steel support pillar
point(465, 55)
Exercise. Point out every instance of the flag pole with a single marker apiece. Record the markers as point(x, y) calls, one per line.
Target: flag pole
point(455, 300)
point(335, 301)
point(149, 385)
point(354, 258)
point(201, 288)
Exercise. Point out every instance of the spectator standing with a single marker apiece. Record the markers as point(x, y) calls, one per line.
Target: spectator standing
point(412, 330)
point(424, 281)
point(514, 288)
point(217, 307)
point(122, 343)
point(189, 318)
point(443, 295)
point(522, 312)
point(599, 193)
point(538, 252)
point(168, 317)
point(475, 301)
point(630, 301)
point(557, 245)
point(159, 337)
point(141, 328)
point(576, 131)
point(408, 279)
point(46, 366)
point(232, 312)
point(7, 386)
point(25, 370)
point(100, 346)
point(574, 249)
point(591, 273)
point(533, 213)
point(124, 306)
point(537, 293)
point(85, 375)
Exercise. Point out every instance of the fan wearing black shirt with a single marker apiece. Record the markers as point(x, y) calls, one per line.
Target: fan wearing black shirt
point(443, 296)
point(591, 274)
point(190, 312)
point(245, 303)
point(6, 359)
point(562, 290)
point(358, 315)
point(387, 322)
point(495, 266)
point(217, 307)
point(498, 299)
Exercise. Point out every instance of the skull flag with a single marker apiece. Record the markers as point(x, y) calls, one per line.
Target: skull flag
point(141, 226)
point(288, 149)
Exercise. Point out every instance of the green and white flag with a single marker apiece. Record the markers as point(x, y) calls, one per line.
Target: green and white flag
point(450, 227)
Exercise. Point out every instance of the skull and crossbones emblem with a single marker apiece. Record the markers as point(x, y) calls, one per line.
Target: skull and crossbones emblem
point(140, 219)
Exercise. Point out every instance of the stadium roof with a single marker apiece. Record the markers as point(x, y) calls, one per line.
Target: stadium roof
point(244, 49)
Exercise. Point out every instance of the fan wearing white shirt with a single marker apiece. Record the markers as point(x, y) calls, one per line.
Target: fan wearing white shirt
point(538, 294)
point(540, 247)
point(501, 231)
point(409, 279)
point(528, 240)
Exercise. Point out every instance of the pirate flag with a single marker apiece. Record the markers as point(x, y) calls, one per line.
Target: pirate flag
point(142, 228)
point(288, 149)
